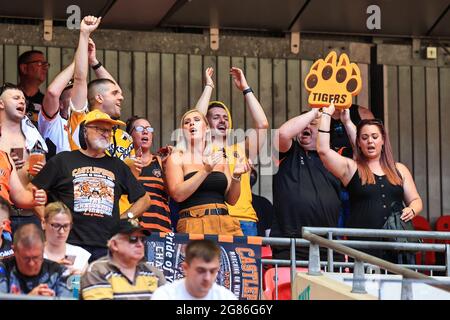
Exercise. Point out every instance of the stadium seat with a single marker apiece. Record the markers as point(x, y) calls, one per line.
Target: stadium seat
point(443, 224)
point(266, 252)
point(284, 283)
point(420, 223)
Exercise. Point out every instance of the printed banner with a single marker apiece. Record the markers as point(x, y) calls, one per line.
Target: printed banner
point(240, 261)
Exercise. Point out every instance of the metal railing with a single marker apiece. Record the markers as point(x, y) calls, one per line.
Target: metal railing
point(330, 265)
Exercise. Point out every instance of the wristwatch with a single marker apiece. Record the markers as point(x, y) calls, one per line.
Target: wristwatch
point(130, 215)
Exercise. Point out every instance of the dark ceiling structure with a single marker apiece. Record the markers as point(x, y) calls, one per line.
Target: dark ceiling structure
point(398, 18)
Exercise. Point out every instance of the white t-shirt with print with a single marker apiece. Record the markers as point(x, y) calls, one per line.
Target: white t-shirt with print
point(177, 291)
point(81, 256)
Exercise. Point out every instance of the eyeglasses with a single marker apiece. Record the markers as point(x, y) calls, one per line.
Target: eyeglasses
point(135, 239)
point(141, 129)
point(39, 63)
point(58, 227)
point(29, 259)
point(100, 130)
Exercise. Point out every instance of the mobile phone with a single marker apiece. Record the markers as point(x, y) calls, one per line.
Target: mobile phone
point(71, 258)
point(18, 152)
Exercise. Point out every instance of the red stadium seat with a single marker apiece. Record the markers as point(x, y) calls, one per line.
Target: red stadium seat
point(266, 252)
point(284, 292)
point(420, 223)
point(284, 283)
point(443, 224)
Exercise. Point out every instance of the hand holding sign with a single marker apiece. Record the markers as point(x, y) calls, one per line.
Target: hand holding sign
point(329, 80)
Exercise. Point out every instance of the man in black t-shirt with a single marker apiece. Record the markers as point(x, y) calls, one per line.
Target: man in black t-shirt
point(33, 69)
point(90, 183)
point(263, 208)
point(305, 194)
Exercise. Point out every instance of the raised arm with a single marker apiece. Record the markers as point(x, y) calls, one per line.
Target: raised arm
point(350, 127)
point(291, 128)
point(180, 189)
point(203, 101)
point(411, 197)
point(260, 122)
point(79, 91)
point(50, 104)
point(100, 72)
point(255, 108)
point(341, 167)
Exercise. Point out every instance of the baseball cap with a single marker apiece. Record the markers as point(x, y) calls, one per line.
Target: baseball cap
point(97, 115)
point(128, 226)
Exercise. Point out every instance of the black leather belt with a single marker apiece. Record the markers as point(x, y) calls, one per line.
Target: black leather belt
point(206, 212)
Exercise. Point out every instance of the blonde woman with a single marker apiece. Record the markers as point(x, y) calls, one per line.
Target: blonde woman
point(198, 178)
point(57, 225)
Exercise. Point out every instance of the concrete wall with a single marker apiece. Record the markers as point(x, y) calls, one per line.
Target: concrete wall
point(161, 76)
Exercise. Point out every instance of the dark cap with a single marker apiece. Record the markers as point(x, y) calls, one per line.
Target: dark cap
point(129, 226)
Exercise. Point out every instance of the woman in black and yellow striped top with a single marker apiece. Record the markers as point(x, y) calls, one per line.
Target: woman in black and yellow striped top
point(147, 168)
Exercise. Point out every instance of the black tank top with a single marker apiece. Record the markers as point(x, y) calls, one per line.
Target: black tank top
point(339, 140)
point(370, 205)
point(212, 190)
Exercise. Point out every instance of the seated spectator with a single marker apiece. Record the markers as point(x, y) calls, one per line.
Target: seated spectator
point(33, 70)
point(6, 251)
point(148, 169)
point(201, 265)
point(263, 208)
point(122, 275)
point(29, 273)
point(57, 225)
point(199, 179)
point(90, 183)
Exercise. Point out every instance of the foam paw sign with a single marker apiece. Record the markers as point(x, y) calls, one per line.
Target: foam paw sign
point(330, 79)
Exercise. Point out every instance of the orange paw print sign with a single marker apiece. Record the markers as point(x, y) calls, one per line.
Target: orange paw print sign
point(330, 81)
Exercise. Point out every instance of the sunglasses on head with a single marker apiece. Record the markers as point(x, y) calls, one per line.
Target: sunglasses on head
point(135, 239)
point(371, 121)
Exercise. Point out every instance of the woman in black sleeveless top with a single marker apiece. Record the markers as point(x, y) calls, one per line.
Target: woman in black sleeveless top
point(198, 178)
point(373, 179)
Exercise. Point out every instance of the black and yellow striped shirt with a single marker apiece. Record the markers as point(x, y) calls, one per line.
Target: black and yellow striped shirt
point(157, 216)
point(103, 280)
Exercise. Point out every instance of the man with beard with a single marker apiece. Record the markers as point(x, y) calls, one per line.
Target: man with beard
point(305, 194)
point(102, 94)
point(74, 177)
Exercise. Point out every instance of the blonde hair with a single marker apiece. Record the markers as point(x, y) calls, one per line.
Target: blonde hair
point(54, 208)
point(182, 143)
